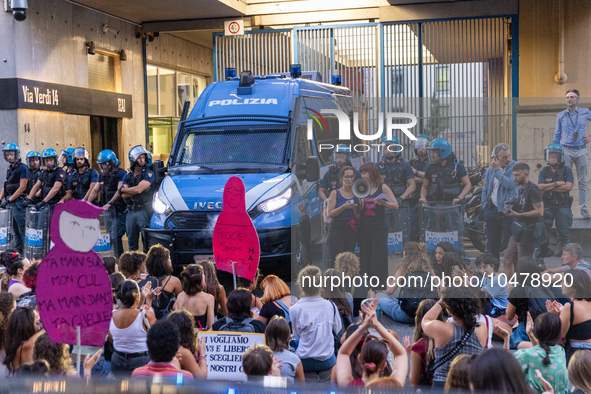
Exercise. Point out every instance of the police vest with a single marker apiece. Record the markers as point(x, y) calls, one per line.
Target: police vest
point(33, 178)
point(444, 184)
point(48, 179)
point(110, 187)
point(132, 181)
point(13, 179)
point(334, 178)
point(555, 198)
point(418, 165)
point(81, 183)
point(395, 178)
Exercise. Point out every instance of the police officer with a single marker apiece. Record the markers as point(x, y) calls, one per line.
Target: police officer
point(445, 175)
point(136, 192)
point(418, 167)
point(556, 181)
point(67, 163)
point(110, 181)
point(82, 181)
point(13, 191)
point(395, 172)
point(330, 181)
point(34, 163)
point(50, 181)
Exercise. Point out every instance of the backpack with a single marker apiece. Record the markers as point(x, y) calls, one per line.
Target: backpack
point(243, 326)
point(346, 321)
point(411, 296)
point(536, 299)
point(286, 309)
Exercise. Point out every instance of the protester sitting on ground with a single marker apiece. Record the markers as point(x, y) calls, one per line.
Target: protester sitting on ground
point(575, 316)
point(129, 329)
point(422, 350)
point(193, 299)
point(440, 250)
point(192, 357)
point(163, 342)
point(454, 265)
point(57, 356)
point(347, 264)
point(374, 353)
point(492, 285)
point(30, 280)
point(337, 296)
point(37, 367)
point(277, 336)
point(213, 287)
point(22, 331)
point(258, 362)
point(251, 285)
point(579, 372)
point(416, 270)
point(314, 322)
point(546, 356)
point(133, 265)
point(111, 264)
point(7, 305)
point(463, 306)
point(496, 370)
point(277, 300)
point(159, 268)
point(572, 259)
point(16, 265)
point(458, 375)
point(239, 317)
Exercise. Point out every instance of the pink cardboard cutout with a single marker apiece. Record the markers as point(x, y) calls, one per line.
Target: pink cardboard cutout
point(234, 236)
point(74, 288)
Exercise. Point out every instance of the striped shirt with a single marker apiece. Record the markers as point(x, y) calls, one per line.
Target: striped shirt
point(165, 370)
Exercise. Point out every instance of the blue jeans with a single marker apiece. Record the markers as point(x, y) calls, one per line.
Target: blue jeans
point(518, 336)
point(121, 227)
point(18, 223)
point(120, 366)
point(495, 228)
point(391, 307)
point(135, 221)
point(563, 216)
point(313, 365)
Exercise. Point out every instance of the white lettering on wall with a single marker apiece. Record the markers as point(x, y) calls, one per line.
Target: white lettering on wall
point(49, 97)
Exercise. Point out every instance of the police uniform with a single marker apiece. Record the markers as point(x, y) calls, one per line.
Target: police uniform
point(48, 178)
point(445, 181)
point(137, 206)
point(110, 186)
point(332, 179)
point(413, 200)
point(79, 183)
point(14, 174)
point(557, 205)
point(33, 177)
point(395, 175)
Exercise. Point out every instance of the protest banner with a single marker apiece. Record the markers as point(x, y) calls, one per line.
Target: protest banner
point(224, 352)
point(236, 245)
point(76, 290)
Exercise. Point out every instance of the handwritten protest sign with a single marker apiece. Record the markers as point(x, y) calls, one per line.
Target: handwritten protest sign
point(234, 237)
point(224, 352)
point(76, 289)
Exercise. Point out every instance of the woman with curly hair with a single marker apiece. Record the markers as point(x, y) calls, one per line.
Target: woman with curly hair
point(16, 265)
point(133, 265)
point(347, 264)
point(197, 302)
point(22, 331)
point(57, 356)
point(415, 264)
point(464, 335)
point(213, 287)
point(193, 357)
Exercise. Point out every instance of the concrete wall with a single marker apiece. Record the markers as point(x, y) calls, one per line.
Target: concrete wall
point(175, 53)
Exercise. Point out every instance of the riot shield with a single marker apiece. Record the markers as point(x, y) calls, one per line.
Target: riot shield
point(398, 228)
point(6, 236)
point(442, 221)
point(106, 245)
point(37, 232)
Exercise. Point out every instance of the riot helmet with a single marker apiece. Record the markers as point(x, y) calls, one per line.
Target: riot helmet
point(33, 160)
point(341, 155)
point(391, 148)
point(49, 157)
point(136, 152)
point(440, 149)
point(422, 142)
point(81, 153)
point(66, 157)
point(554, 154)
point(12, 153)
point(107, 160)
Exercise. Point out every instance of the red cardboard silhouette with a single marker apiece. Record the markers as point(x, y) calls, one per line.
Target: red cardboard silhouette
point(74, 288)
point(234, 237)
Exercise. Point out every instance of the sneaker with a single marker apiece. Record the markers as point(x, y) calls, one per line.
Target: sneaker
point(546, 252)
point(585, 214)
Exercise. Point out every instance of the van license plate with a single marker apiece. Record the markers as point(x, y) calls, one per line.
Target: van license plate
point(200, 257)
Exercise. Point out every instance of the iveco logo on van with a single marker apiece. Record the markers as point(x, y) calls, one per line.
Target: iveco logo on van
point(243, 101)
point(207, 205)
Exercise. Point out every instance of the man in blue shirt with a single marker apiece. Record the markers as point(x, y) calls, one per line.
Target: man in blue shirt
point(499, 186)
point(571, 126)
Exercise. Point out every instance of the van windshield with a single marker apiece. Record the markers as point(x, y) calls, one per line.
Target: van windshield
point(260, 148)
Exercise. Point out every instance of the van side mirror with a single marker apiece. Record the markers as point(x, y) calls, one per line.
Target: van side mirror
point(159, 171)
point(312, 169)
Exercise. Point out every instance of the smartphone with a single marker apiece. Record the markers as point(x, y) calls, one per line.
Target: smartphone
point(455, 267)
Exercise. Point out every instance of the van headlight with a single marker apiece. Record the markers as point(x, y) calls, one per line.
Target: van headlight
point(277, 202)
point(159, 205)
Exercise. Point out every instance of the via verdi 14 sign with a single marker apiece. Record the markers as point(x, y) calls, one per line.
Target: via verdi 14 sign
point(18, 93)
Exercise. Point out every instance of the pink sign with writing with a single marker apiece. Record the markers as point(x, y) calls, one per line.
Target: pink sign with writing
point(74, 289)
point(234, 237)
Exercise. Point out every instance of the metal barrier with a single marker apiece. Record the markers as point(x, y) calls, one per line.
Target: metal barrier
point(398, 228)
point(442, 221)
point(37, 240)
point(6, 236)
point(106, 245)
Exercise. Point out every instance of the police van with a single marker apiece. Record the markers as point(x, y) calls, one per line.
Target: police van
point(259, 129)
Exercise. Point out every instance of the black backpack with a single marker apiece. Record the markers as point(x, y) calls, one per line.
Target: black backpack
point(346, 321)
point(411, 295)
point(536, 299)
point(234, 326)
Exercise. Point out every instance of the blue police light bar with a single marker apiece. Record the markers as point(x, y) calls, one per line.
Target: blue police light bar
point(230, 73)
point(337, 80)
point(295, 70)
